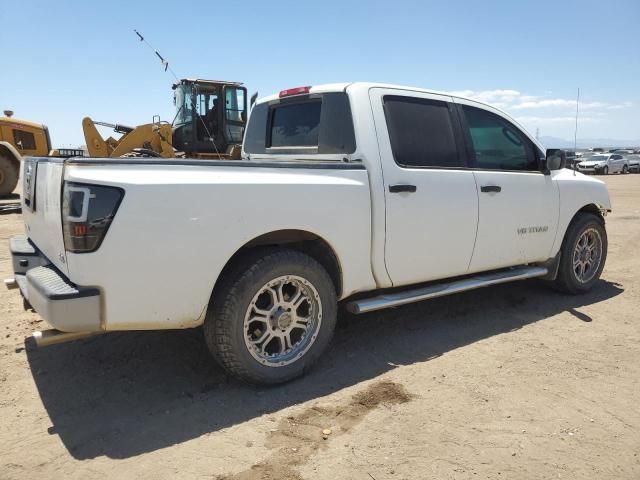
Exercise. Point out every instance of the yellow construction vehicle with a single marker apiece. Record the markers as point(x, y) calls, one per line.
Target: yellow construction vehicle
point(209, 123)
point(19, 138)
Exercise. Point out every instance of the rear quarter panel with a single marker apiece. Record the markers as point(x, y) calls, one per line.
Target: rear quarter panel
point(177, 227)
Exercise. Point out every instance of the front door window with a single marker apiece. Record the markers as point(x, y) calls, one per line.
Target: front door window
point(497, 144)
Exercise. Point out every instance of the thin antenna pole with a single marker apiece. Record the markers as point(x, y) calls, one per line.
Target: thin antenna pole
point(162, 60)
point(575, 134)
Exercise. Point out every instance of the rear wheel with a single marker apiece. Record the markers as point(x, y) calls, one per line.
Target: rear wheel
point(583, 254)
point(605, 170)
point(625, 169)
point(8, 176)
point(272, 316)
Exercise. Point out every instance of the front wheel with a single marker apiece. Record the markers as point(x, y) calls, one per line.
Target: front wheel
point(583, 254)
point(272, 316)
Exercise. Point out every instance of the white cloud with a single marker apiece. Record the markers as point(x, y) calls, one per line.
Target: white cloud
point(556, 120)
point(514, 100)
point(556, 102)
point(490, 96)
point(618, 106)
point(552, 115)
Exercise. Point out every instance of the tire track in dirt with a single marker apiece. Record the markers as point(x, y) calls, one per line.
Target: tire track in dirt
point(299, 436)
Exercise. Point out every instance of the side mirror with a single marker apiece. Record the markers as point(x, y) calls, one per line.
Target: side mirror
point(556, 159)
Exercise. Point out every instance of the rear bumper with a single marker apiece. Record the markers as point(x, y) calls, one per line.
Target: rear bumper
point(65, 306)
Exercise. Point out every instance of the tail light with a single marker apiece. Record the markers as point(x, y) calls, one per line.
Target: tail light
point(87, 213)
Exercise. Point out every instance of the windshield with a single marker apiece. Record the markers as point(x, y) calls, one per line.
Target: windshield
point(599, 158)
point(183, 105)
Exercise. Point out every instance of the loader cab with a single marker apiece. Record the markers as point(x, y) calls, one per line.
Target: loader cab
point(27, 138)
point(210, 116)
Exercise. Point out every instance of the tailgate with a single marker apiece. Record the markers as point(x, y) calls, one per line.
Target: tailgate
point(41, 197)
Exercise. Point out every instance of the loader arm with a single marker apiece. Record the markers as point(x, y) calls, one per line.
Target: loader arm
point(156, 137)
point(96, 145)
point(153, 136)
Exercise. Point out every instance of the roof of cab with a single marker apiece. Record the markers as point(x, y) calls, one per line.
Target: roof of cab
point(341, 87)
point(360, 86)
point(17, 122)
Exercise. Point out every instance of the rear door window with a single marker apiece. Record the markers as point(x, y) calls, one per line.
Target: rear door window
point(421, 132)
point(319, 123)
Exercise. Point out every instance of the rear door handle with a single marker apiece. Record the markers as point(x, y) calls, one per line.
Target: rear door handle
point(490, 188)
point(402, 188)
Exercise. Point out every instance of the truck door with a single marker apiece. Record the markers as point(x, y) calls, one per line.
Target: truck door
point(518, 203)
point(430, 197)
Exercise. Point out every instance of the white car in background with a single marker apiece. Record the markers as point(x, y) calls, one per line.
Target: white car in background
point(605, 164)
point(634, 164)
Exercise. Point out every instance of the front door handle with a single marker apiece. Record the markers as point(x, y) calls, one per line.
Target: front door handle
point(402, 188)
point(490, 188)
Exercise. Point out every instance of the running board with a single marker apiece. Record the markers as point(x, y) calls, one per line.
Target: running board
point(396, 299)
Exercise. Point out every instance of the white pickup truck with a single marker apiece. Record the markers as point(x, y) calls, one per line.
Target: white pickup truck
point(367, 194)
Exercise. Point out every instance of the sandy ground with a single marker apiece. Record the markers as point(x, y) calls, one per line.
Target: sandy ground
point(509, 382)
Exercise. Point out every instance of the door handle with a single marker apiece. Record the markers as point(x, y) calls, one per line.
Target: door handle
point(400, 188)
point(490, 188)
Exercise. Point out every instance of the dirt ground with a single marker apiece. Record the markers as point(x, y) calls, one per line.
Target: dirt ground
point(509, 382)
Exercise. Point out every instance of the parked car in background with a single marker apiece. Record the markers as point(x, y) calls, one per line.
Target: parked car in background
point(570, 158)
point(634, 164)
point(624, 151)
point(605, 164)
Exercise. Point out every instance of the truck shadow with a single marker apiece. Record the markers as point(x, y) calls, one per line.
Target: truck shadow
point(124, 394)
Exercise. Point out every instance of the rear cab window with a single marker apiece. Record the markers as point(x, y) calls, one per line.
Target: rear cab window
point(302, 124)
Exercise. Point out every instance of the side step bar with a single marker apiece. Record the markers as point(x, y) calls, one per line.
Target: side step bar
point(396, 299)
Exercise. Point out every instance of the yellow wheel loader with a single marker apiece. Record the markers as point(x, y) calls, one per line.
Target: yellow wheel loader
point(209, 123)
point(19, 138)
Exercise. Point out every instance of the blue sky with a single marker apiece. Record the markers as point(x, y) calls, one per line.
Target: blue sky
point(63, 60)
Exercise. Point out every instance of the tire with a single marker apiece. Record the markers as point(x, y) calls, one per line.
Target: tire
point(256, 284)
point(9, 173)
point(625, 169)
point(568, 280)
point(605, 170)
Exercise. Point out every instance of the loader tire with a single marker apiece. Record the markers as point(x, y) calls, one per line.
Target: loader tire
point(9, 172)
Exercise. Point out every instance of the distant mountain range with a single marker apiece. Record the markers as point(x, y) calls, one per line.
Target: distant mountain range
point(554, 142)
